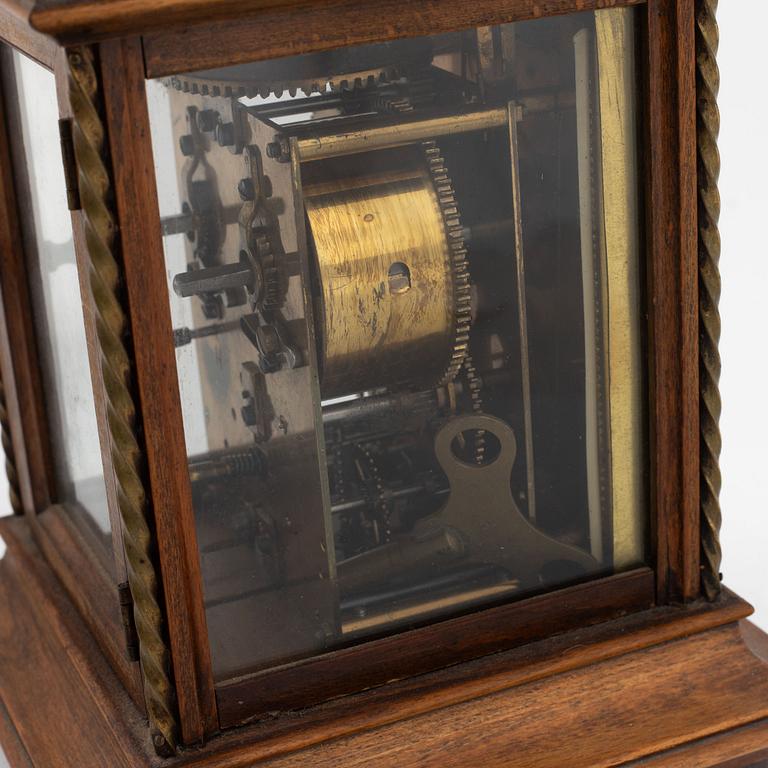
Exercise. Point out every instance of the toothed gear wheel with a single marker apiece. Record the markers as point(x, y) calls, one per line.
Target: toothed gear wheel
point(345, 69)
point(375, 492)
point(464, 395)
point(476, 398)
point(272, 294)
point(211, 86)
point(462, 300)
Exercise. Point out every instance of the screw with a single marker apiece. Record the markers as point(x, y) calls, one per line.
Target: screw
point(225, 134)
point(187, 145)
point(162, 747)
point(278, 150)
point(213, 307)
point(245, 189)
point(182, 337)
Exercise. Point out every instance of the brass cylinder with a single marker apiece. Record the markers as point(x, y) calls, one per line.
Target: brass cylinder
point(385, 272)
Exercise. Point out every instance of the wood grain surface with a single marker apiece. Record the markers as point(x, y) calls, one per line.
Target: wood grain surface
point(91, 587)
point(431, 647)
point(684, 677)
point(317, 26)
point(66, 705)
point(88, 20)
point(603, 715)
point(15, 29)
point(672, 295)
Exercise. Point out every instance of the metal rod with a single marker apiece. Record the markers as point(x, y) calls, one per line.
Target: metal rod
point(513, 114)
point(184, 336)
point(189, 221)
point(227, 464)
point(401, 493)
point(179, 224)
point(397, 134)
point(213, 279)
point(365, 407)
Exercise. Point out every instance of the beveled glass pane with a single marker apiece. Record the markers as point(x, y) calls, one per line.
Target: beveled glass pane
point(57, 306)
point(405, 285)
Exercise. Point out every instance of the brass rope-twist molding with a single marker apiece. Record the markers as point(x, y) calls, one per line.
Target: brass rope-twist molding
point(104, 277)
point(14, 491)
point(708, 128)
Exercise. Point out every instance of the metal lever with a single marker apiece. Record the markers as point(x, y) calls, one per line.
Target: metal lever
point(482, 507)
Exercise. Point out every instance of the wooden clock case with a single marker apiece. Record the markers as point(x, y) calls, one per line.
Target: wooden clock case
point(656, 666)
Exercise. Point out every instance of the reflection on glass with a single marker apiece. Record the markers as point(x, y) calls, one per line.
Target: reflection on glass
point(56, 297)
point(405, 285)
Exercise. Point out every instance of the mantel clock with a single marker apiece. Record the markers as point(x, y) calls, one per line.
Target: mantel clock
point(361, 387)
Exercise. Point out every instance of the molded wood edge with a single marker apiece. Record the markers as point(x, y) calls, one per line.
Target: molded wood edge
point(620, 711)
point(81, 21)
point(652, 653)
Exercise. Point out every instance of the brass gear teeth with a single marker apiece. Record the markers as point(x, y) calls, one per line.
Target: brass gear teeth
point(235, 89)
point(458, 266)
point(475, 394)
point(271, 295)
point(375, 479)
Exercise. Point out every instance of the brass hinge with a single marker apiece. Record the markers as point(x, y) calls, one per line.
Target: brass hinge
point(129, 623)
point(70, 164)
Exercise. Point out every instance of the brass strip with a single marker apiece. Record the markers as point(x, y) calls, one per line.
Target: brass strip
point(592, 267)
point(708, 128)
point(379, 137)
point(618, 128)
point(104, 277)
point(513, 115)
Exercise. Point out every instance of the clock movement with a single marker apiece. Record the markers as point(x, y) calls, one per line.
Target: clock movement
point(360, 404)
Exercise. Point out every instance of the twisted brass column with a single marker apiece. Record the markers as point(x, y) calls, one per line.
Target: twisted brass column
point(708, 127)
point(104, 275)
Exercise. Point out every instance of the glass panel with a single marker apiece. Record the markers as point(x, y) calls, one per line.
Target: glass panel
point(405, 285)
point(56, 299)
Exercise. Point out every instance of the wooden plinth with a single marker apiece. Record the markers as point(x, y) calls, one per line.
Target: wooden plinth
point(672, 687)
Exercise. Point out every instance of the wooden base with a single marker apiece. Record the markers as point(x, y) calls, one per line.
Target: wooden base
point(673, 687)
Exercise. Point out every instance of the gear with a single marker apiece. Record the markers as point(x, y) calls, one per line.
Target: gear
point(340, 70)
point(474, 386)
point(464, 395)
point(272, 294)
point(372, 476)
point(462, 300)
point(210, 85)
point(400, 317)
